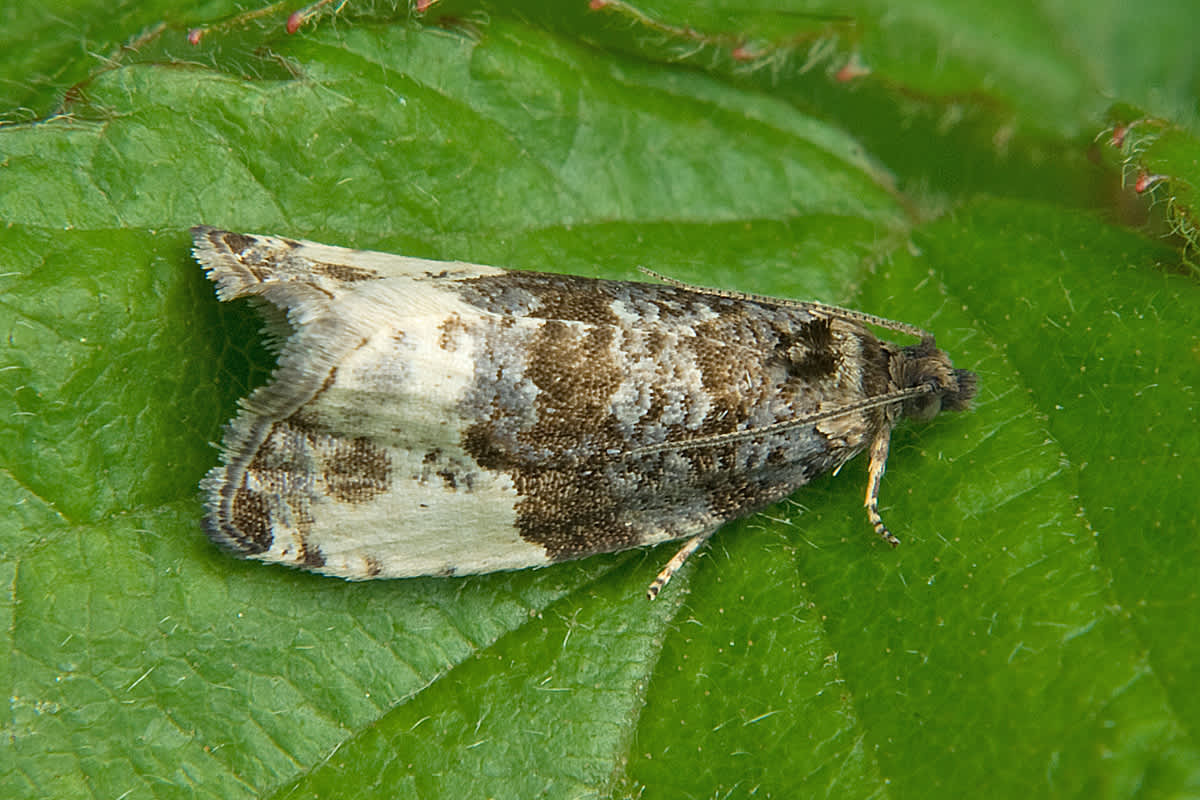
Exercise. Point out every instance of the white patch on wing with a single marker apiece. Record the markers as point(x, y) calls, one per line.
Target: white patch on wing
point(402, 389)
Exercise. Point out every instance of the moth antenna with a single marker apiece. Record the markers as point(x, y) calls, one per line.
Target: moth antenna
point(820, 309)
point(787, 424)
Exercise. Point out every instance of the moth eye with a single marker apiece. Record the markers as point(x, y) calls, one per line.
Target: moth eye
point(927, 406)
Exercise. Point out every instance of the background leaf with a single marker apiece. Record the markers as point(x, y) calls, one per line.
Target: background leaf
point(945, 166)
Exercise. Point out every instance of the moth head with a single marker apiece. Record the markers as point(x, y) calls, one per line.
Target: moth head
point(925, 366)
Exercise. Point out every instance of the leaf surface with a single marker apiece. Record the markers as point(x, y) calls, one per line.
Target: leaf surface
point(1029, 636)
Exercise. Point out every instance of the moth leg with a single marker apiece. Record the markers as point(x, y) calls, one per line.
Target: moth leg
point(879, 455)
point(689, 547)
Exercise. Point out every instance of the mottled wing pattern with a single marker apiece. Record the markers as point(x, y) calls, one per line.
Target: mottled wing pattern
point(438, 418)
point(574, 376)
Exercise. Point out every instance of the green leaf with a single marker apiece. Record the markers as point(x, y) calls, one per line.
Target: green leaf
point(1032, 636)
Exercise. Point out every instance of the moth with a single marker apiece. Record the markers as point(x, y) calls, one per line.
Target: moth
point(444, 418)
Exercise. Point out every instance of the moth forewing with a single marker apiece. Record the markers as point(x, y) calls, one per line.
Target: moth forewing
point(445, 418)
